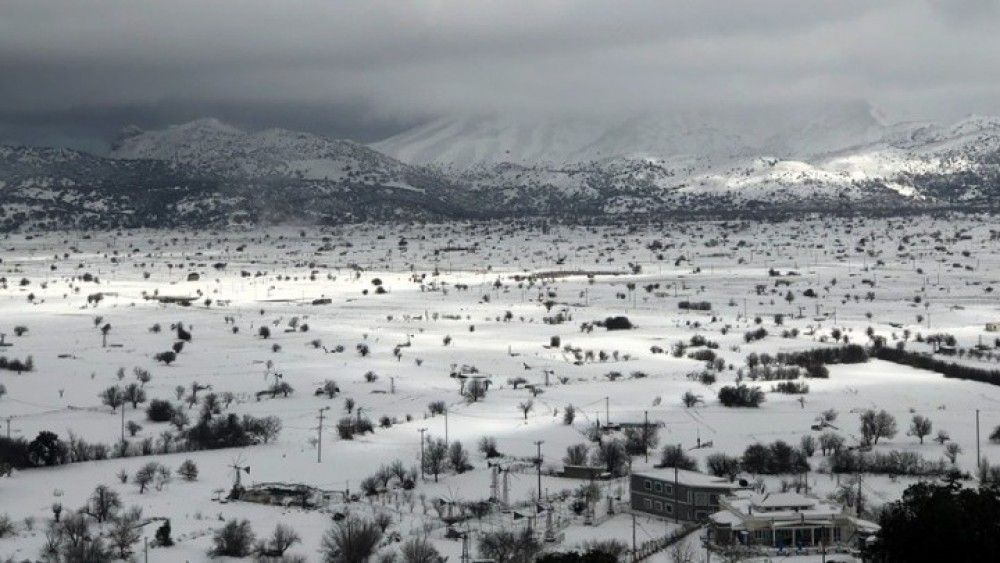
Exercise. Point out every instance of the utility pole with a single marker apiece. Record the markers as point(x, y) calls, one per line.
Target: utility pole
point(859, 490)
point(978, 462)
point(422, 430)
point(493, 483)
point(677, 506)
point(645, 434)
point(8, 427)
point(607, 410)
point(634, 553)
point(123, 422)
point(319, 438)
point(446, 425)
point(538, 463)
point(505, 501)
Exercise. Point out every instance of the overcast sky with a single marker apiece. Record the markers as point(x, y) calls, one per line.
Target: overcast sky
point(72, 72)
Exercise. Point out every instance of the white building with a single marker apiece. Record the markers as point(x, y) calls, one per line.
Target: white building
point(786, 521)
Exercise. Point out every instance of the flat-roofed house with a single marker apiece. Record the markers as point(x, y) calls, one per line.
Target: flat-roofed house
point(786, 521)
point(685, 495)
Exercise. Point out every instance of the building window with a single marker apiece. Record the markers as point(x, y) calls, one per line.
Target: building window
point(647, 484)
point(714, 500)
point(659, 487)
point(701, 499)
point(647, 503)
point(659, 506)
point(668, 489)
point(700, 515)
point(669, 508)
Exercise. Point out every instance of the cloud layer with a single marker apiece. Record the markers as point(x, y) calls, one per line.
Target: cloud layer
point(369, 67)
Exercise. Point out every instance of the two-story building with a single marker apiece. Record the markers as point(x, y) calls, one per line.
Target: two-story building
point(785, 521)
point(678, 493)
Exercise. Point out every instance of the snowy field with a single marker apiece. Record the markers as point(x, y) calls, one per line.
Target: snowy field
point(484, 296)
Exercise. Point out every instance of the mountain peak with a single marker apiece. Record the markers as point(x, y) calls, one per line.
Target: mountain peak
point(207, 124)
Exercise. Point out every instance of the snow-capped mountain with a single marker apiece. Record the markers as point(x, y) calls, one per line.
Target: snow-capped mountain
point(845, 153)
point(61, 188)
point(210, 146)
point(209, 173)
point(469, 142)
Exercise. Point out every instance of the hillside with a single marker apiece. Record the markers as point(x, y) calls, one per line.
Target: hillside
point(207, 173)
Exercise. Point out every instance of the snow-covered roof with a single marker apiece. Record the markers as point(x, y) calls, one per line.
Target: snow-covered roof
point(689, 478)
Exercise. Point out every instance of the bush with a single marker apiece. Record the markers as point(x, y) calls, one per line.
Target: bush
point(791, 388)
point(160, 411)
point(350, 540)
point(458, 458)
point(436, 407)
point(948, 369)
point(675, 456)
point(19, 366)
point(188, 470)
point(776, 458)
point(167, 357)
point(741, 396)
point(231, 431)
point(7, 527)
point(234, 539)
point(722, 465)
point(617, 323)
point(419, 550)
point(995, 435)
point(488, 447)
point(888, 463)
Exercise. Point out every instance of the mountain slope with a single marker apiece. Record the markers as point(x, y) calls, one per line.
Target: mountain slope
point(207, 173)
point(468, 142)
point(61, 188)
point(843, 154)
point(293, 175)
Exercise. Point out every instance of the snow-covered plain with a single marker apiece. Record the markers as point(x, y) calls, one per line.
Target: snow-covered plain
point(459, 280)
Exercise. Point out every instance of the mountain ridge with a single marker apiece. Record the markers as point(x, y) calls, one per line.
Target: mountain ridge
point(209, 173)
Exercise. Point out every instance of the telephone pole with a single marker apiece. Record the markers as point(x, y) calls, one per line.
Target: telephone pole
point(645, 434)
point(446, 426)
point(123, 422)
point(978, 462)
point(538, 463)
point(634, 552)
point(422, 430)
point(607, 410)
point(677, 506)
point(319, 437)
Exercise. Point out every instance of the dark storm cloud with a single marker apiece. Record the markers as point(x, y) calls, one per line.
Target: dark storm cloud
point(365, 69)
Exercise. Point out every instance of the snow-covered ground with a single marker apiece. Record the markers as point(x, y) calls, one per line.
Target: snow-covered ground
point(460, 280)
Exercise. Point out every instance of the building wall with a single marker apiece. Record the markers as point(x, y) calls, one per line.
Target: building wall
point(656, 496)
point(839, 531)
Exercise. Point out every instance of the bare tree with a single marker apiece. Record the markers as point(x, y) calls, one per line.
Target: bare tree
point(352, 540)
point(920, 427)
point(526, 407)
point(435, 457)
